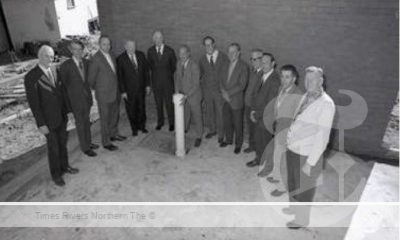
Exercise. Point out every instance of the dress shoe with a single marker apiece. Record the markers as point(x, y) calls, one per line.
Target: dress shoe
point(264, 172)
point(294, 225)
point(197, 142)
point(272, 180)
point(210, 135)
point(90, 153)
point(158, 127)
point(277, 193)
point(220, 140)
point(237, 150)
point(117, 138)
point(248, 150)
point(171, 128)
point(71, 170)
point(144, 130)
point(224, 144)
point(111, 147)
point(253, 163)
point(134, 133)
point(94, 146)
point(59, 182)
point(288, 211)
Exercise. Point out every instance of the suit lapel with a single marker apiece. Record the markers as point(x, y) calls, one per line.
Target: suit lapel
point(104, 60)
point(44, 80)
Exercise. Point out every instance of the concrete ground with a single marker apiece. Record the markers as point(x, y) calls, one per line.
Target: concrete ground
point(140, 171)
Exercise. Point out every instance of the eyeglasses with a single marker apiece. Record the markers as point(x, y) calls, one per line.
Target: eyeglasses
point(254, 59)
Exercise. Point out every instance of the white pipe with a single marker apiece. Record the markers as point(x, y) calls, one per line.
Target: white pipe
point(179, 125)
point(16, 115)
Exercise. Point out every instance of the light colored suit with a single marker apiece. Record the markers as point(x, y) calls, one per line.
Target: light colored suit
point(102, 77)
point(187, 82)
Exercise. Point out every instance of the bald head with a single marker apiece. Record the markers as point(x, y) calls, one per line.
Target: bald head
point(130, 46)
point(45, 55)
point(158, 38)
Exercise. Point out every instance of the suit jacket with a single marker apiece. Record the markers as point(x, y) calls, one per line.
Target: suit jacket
point(102, 78)
point(48, 102)
point(284, 112)
point(254, 79)
point(78, 89)
point(132, 81)
point(211, 76)
point(236, 85)
point(188, 83)
point(162, 70)
point(263, 95)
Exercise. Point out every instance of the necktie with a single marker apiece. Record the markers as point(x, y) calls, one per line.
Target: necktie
point(183, 70)
point(81, 70)
point(133, 61)
point(212, 60)
point(159, 52)
point(51, 77)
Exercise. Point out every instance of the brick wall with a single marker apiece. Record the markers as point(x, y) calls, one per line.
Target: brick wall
point(355, 41)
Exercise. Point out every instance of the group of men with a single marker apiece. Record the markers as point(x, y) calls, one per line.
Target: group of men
point(284, 124)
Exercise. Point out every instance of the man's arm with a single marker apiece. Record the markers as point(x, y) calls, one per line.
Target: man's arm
point(242, 81)
point(63, 75)
point(32, 94)
point(195, 79)
point(173, 61)
point(120, 75)
point(325, 120)
point(93, 70)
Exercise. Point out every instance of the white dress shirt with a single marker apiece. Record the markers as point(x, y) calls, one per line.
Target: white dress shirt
point(265, 76)
point(160, 49)
point(109, 60)
point(309, 133)
point(214, 55)
point(49, 74)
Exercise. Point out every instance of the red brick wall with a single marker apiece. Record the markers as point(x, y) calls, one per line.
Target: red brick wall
point(355, 41)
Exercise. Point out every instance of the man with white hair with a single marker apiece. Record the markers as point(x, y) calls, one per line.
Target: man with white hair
point(48, 102)
point(162, 61)
point(307, 139)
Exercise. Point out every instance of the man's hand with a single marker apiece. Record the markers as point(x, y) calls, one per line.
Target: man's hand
point(44, 130)
point(252, 116)
point(225, 95)
point(306, 169)
point(148, 90)
point(124, 96)
point(184, 98)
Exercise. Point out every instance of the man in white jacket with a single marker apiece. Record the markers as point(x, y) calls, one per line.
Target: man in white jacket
point(307, 139)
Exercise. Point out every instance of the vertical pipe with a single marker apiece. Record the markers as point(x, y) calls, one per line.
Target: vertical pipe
point(179, 125)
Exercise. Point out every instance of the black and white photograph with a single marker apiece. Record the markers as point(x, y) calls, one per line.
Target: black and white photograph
point(199, 119)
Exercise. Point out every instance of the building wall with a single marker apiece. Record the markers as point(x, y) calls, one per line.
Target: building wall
point(355, 41)
point(31, 20)
point(75, 21)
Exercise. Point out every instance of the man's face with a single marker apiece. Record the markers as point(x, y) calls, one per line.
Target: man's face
point(209, 46)
point(233, 53)
point(183, 55)
point(130, 47)
point(105, 45)
point(76, 50)
point(312, 81)
point(158, 39)
point(256, 60)
point(267, 64)
point(46, 57)
point(287, 78)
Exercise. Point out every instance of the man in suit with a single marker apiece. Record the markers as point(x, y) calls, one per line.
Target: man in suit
point(307, 139)
point(285, 106)
point(162, 61)
point(73, 74)
point(102, 77)
point(254, 78)
point(265, 91)
point(48, 102)
point(187, 82)
point(232, 88)
point(212, 66)
point(133, 77)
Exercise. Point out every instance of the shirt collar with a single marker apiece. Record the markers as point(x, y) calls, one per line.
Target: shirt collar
point(104, 53)
point(44, 69)
point(214, 54)
point(266, 75)
point(76, 60)
point(186, 63)
point(161, 48)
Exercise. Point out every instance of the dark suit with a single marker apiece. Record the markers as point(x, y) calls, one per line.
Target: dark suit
point(187, 82)
point(48, 103)
point(80, 98)
point(264, 93)
point(210, 79)
point(103, 79)
point(254, 79)
point(133, 78)
point(233, 110)
point(162, 78)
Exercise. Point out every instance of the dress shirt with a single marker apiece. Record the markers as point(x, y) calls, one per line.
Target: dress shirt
point(109, 60)
point(266, 76)
point(133, 58)
point(282, 95)
point(309, 133)
point(49, 74)
point(214, 55)
point(160, 49)
point(81, 70)
point(231, 68)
